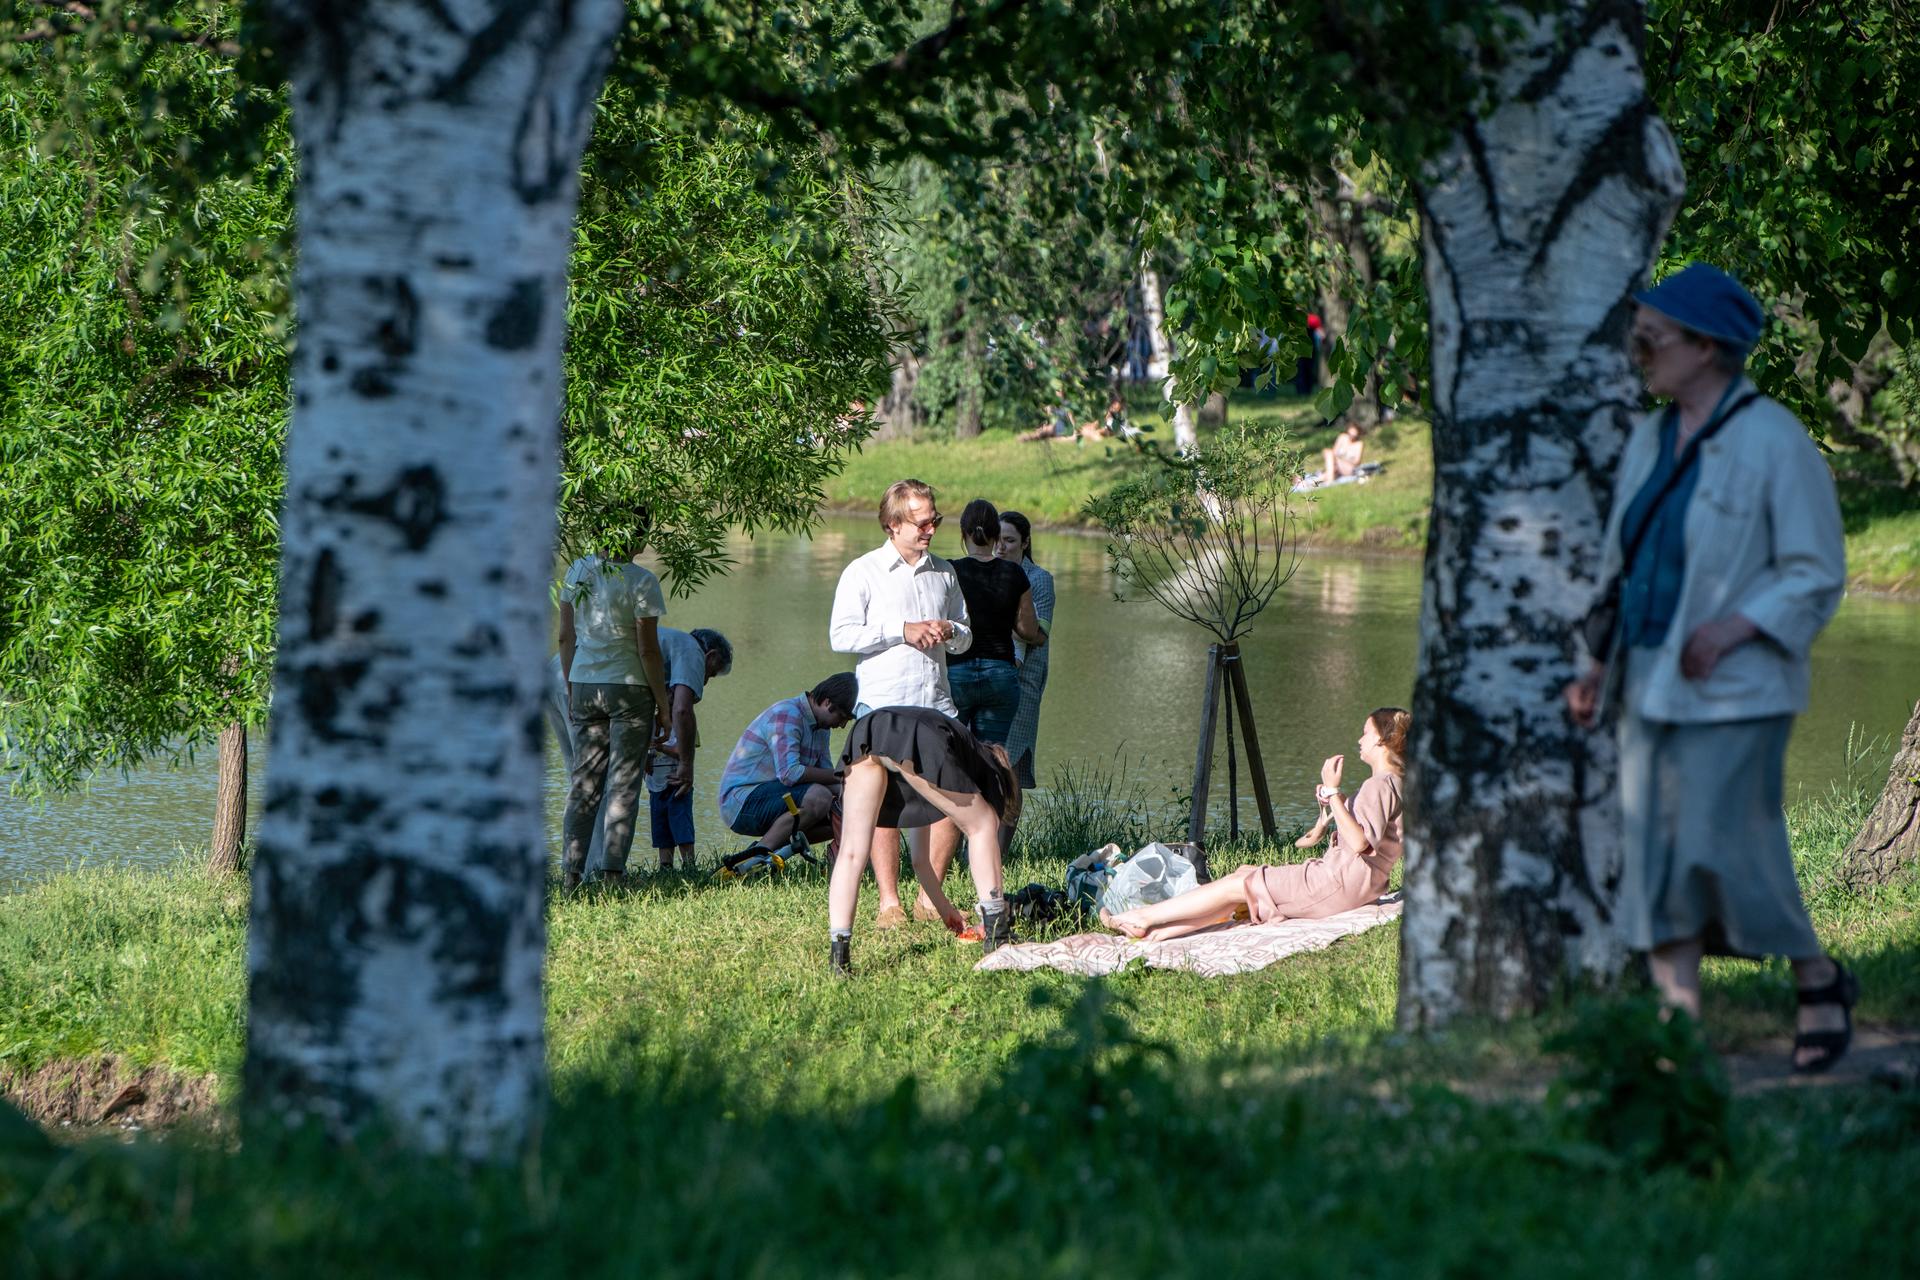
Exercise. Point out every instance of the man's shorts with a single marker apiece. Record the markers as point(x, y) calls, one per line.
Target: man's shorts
point(764, 805)
point(672, 817)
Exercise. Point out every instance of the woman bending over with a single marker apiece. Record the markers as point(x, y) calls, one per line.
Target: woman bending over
point(1366, 845)
point(910, 767)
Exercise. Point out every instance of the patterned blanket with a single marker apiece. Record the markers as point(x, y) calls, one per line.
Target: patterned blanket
point(1237, 948)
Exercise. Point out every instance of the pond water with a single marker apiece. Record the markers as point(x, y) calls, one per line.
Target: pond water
point(1123, 693)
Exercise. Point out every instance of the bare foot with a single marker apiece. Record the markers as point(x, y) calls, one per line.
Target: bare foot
point(1120, 924)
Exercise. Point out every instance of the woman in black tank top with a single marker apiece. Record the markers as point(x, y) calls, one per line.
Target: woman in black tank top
point(984, 679)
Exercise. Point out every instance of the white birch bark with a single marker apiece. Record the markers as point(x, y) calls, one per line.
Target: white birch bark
point(398, 931)
point(1186, 435)
point(1539, 221)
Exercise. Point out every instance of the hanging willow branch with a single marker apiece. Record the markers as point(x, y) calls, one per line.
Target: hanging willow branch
point(1211, 535)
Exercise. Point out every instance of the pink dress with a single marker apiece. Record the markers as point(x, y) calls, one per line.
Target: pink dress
point(1342, 880)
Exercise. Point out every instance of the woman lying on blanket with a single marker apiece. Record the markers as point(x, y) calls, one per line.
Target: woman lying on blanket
point(911, 767)
point(1366, 845)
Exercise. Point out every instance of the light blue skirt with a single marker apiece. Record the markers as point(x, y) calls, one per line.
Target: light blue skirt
point(1707, 855)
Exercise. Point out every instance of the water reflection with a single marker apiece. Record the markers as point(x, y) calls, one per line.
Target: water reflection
point(1125, 688)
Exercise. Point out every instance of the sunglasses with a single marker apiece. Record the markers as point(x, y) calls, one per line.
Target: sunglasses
point(927, 526)
point(1644, 348)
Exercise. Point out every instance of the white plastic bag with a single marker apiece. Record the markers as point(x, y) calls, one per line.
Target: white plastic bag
point(1153, 874)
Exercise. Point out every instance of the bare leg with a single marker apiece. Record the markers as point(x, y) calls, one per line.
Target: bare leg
point(1198, 908)
point(1326, 465)
point(886, 862)
point(813, 816)
point(967, 814)
point(1676, 971)
point(866, 785)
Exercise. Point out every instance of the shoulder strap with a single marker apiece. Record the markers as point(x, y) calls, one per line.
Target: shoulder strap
point(1674, 477)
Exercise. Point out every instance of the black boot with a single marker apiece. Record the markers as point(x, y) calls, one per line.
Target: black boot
point(841, 961)
point(996, 929)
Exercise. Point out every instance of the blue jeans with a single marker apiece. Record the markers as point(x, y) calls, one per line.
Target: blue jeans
point(987, 695)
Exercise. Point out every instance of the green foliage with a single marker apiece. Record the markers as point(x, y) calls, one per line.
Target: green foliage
point(142, 347)
point(723, 321)
point(1643, 1087)
point(1793, 122)
point(726, 312)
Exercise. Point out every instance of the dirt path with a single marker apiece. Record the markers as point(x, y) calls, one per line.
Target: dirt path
point(105, 1092)
point(1880, 1055)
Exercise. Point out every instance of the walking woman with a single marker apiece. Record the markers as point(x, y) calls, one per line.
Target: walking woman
point(910, 767)
point(616, 693)
point(1366, 846)
point(1725, 547)
point(1016, 545)
point(984, 679)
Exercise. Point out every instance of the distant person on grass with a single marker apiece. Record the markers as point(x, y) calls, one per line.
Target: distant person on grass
point(787, 753)
point(1016, 545)
point(1366, 847)
point(906, 767)
point(613, 681)
point(899, 610)
point(693, 658)
point(1726, 557)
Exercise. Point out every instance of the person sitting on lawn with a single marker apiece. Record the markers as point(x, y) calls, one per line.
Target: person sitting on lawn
point(787, 752)
point(910, 767)
point(1366, 846)
point(1341, 460)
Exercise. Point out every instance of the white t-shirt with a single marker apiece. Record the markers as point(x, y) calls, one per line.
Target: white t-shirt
point(607, 597)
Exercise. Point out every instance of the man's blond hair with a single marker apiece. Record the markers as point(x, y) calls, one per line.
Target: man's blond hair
point(893, 507)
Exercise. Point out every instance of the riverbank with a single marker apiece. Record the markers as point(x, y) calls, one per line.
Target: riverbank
point(1051, 482)
point(708, 1074)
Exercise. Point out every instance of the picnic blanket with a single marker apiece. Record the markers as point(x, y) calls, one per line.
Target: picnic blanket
point(1227, 948)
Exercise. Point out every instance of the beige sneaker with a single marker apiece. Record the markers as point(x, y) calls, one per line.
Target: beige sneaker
point(923, 912)
point(889, 918)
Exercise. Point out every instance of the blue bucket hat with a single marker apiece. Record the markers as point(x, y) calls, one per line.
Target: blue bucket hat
point(1708, 301)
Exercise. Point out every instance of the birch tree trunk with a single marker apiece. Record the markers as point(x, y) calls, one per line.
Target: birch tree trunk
point(397, 930)
point(1890, 840)
point(1153, 301)
point(230, 801)
point(1539, 220)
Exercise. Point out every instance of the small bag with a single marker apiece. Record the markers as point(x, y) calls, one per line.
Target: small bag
point(1600, 627)
point(1089, 874)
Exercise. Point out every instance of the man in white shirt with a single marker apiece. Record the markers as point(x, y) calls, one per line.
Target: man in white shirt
point(900, 611)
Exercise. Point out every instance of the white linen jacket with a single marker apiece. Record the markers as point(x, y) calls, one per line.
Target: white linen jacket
point(1764, 540)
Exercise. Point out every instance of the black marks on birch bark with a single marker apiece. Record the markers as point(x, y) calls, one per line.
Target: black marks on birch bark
point(324, 688)
point(1483, 169)
point(395, 335)
point(323, 596)
point(1619, 150)
point(415, 504)
point(515, 322)
point(1624, 14)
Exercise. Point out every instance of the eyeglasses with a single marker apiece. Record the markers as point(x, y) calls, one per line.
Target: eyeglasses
point(1644, 348)
point(927, 526)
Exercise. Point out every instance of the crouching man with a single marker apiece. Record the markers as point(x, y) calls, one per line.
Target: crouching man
point(787, 751)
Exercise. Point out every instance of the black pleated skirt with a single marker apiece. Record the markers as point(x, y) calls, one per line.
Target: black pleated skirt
point(939, 748)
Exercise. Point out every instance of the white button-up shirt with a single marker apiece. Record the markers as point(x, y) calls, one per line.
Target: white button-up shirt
point(878, 595)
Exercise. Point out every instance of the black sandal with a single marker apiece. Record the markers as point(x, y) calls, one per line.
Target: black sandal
point(1843, 990)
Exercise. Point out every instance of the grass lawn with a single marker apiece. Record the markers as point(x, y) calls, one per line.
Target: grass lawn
point(723, 1107)
point(1051, 483)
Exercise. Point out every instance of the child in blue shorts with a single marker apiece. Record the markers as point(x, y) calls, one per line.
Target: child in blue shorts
point(672, 814)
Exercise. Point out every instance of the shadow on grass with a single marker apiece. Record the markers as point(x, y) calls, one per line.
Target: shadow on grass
point(1094, 1150)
